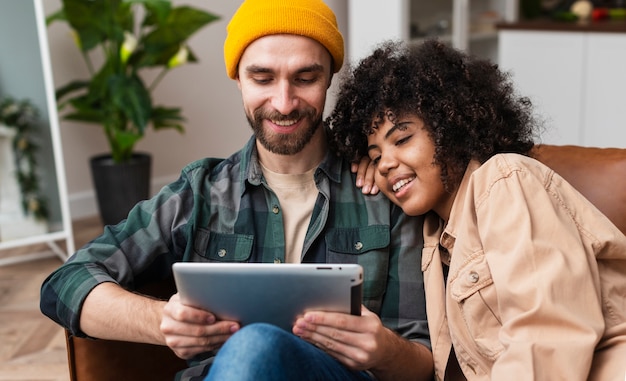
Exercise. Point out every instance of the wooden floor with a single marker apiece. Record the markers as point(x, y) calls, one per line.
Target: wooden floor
point(32, 347)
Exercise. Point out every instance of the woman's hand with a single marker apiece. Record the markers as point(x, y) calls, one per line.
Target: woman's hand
point(365, 176)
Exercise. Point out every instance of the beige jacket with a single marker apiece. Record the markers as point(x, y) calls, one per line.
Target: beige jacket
point(536, 288)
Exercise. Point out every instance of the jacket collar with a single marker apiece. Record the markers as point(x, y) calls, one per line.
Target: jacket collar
point(449, 235)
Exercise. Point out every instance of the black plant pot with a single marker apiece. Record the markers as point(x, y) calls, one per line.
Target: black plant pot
point(120, 186)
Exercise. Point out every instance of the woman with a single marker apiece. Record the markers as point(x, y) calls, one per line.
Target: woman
point(524, 278)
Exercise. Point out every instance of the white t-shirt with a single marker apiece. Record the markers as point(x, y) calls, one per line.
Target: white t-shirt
point(297, 194)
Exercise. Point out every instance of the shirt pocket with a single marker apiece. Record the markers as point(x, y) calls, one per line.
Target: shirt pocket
point(222, 247)
point(367, 246)
point(475, 295)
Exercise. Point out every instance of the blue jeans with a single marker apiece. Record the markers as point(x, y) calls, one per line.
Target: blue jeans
point(260, 352)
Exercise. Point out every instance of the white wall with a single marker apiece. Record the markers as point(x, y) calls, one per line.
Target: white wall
point(216, 125)
point(390, 22)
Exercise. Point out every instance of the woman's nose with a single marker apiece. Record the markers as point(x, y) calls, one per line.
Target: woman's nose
point(386, 162)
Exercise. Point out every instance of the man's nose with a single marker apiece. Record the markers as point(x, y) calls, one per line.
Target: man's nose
point(285, 100)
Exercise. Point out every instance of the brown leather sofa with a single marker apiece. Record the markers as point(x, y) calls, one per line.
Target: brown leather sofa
point(599, 174)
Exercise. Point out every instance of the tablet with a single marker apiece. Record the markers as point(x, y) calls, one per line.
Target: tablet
point(267, 292)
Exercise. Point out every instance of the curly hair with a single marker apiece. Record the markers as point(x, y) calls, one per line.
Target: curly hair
point(469, 107)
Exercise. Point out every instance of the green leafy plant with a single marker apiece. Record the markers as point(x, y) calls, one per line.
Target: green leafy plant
point(23, 118)
point(131, 35)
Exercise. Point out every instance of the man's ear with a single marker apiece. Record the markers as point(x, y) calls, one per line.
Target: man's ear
point(238, 81)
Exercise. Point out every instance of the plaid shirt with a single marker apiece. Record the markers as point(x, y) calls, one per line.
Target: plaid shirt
point(223, 210)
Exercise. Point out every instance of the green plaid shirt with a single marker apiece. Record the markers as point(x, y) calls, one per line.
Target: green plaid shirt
point(223, 210)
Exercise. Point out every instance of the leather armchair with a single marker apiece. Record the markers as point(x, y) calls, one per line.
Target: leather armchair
point(598, 173)
point(110, 360)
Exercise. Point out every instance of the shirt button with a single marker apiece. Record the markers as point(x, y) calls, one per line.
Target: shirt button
point(277, 260)
point(358, 245)
point(275, 209)
point(473, 277)
point(221, 253)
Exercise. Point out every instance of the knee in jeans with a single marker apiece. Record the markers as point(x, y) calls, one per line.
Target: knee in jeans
point(260, 336)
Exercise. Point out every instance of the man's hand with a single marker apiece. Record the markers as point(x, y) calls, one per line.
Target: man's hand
point(189, 331)
point(363, 343)
point(365, 175)
point(358, 342)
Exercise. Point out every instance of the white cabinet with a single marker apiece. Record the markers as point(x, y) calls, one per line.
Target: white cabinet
point(576, 81)
point(547, 67)
point(466, 24)
point(604, 90)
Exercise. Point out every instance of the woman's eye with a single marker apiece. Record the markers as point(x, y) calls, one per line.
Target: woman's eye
point(403, 140)
point(375, 159)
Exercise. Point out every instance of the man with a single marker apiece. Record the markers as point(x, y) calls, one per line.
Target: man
point(298, 203)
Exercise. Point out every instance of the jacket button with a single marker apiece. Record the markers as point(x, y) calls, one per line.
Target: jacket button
point(473, 277)
point(275, 209)
point(358, 245)
point(277, 260)
point(221, 253)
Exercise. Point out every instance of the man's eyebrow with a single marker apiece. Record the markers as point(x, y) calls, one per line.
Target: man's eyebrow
point(311, 68)
point(257, 69)
point(254, 69)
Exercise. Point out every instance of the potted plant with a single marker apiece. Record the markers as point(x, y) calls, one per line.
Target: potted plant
point(129, 36)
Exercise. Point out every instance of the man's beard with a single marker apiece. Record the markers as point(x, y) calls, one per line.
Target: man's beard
point(285, 144)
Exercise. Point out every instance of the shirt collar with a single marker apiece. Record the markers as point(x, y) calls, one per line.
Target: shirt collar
point(252, 174)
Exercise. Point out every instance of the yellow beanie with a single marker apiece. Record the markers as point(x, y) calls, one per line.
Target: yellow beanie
point(257, 18)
